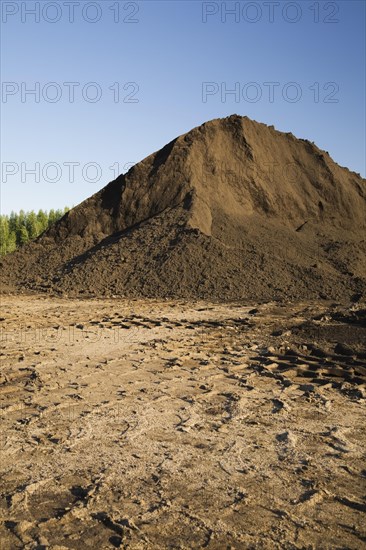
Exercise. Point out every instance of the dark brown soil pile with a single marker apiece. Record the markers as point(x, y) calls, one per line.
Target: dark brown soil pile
point(232, 209)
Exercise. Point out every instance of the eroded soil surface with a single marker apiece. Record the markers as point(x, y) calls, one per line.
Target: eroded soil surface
point(143, 424)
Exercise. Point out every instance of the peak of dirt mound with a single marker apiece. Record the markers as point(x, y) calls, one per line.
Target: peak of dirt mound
point(232, 209)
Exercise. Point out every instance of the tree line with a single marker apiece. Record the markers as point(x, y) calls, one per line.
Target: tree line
point(19, 228)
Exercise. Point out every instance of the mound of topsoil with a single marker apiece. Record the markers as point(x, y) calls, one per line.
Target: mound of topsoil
point(233, 209)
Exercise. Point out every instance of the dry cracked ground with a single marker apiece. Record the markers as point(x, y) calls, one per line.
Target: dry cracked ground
point(144, 424)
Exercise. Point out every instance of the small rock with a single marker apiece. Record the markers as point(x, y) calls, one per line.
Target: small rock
point(343, 349)
point(287, 437)
point(307, 387)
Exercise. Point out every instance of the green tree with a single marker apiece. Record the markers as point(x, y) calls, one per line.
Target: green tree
point(51, 217)
point(22, 237)
point(32, 225)
point(21, 218)
point(12, 242)
point(4, 234)
point(42, 218)
point(13, 221)
point(59, 213)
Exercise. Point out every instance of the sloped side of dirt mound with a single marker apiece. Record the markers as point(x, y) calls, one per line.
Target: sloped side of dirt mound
point(182, 261)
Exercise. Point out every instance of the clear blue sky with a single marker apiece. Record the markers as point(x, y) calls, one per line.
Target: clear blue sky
point(171, 49)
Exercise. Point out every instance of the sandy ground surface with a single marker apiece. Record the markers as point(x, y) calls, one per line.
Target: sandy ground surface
point(145, 424)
